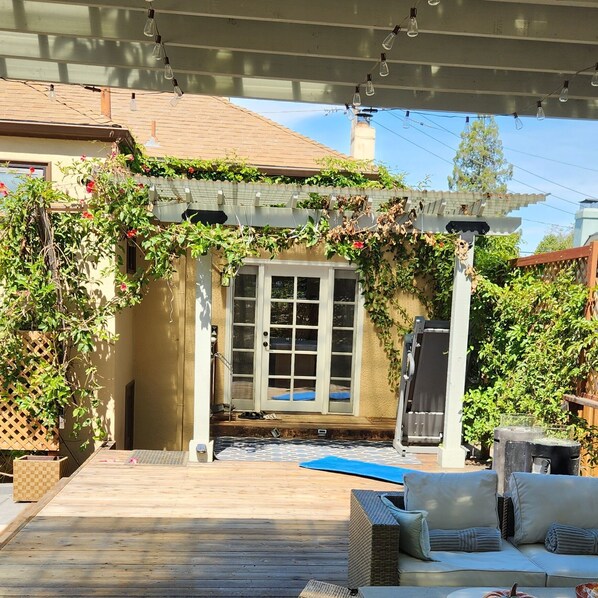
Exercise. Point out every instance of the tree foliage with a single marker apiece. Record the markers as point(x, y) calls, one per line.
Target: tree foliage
point(555, 241)
point(479, 164)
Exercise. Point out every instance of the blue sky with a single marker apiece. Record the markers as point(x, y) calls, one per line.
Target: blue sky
point(554, 156)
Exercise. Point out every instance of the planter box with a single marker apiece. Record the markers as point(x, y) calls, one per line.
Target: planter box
point(34, 475)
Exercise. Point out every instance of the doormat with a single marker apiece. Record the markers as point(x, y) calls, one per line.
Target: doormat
point(143, 457)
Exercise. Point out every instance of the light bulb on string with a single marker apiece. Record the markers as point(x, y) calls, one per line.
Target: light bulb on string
point(467, 127)
point(150, 24)
point(133, 103)
point(518, 122)
point(406, 121)
point(177, 93)
point(412, 30)
point(357, 98)
point(168, 73)
point(384, 70)
point(349, 112)
point(564, 95)
point(540, 114)
point(433, 2)
point(594, 81)
point(158, 52)
point(52, 92)
point(369, 87)
point(389, 40)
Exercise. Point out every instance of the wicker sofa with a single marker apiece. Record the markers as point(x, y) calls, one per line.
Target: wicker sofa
point(375, 558)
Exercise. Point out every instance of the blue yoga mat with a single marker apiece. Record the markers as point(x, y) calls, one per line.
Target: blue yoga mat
point(387, 473)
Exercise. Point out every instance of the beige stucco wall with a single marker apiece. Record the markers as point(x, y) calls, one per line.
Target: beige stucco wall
point(115, 362)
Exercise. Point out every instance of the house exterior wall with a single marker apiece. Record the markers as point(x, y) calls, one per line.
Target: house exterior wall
point(115, 366)
point(164, 356)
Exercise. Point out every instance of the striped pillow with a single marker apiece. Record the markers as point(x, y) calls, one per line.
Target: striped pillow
point(473, 539)
point(568, 539)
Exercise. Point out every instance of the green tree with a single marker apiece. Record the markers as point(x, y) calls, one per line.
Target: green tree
point(479, 164)
point(555, 241)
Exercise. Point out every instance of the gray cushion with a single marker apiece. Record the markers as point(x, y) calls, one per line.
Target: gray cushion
point(562, 570)
point(541, 500)
point(413, 531)
point(493, 569)
point(472, 539)
point(453, 500)
point(568, 539)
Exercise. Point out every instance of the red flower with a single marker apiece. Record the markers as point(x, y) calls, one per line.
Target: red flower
point(90, 186)
point(31, 170)
point(87, 215)
point(83, 158)
point(131, 233)
point(191, 170)
point(358, 244)
point(129, 157)
point(141, 186)
point(123, 286)
point(2, 186)
point(4, 192)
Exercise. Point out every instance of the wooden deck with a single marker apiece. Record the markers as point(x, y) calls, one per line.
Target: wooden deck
point(221, 529)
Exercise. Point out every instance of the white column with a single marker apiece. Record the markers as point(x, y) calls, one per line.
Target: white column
point(202, 360)
point(450, 452)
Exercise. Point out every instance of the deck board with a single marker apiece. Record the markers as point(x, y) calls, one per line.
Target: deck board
point(222, 529)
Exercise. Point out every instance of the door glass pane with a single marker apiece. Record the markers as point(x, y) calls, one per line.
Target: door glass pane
point(341, 366)
point(280, 364)
point(340, 390)
point(245, 285)
point(242, 388)
point(281, 339)
point(279, 389)
point(304, 390)
point(283, 287)
point(342, 341)
point(243, 337)
point(342, 315)
point(305, 365)
point(308, 288)
point(281, 312)
point(306, 339)
point(344, 289)
point(307, 314)
point(244, 311)
point(243, 362)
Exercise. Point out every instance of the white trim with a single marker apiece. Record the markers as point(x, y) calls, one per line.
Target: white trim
point(255, 261)
point(228, 345)
point(358, 349)
point(259, 335)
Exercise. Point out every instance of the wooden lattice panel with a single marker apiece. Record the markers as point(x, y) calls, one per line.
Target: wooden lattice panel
point(19, 430)
point(551, 270)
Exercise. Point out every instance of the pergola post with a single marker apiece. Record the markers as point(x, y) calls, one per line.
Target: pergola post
point(450, 452)
point(202, 361)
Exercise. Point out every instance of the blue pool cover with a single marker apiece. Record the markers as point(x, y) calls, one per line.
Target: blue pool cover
point(387, 473)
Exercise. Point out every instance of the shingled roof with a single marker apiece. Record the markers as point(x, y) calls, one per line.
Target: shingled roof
point(203, 127)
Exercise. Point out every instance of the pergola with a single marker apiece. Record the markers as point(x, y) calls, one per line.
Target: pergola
point(473, 56)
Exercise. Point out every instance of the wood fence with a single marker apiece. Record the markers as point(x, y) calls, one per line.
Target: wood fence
point(584, 261)
point(19, 430)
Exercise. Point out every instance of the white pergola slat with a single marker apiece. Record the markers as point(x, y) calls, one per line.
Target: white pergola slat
point(475, 56)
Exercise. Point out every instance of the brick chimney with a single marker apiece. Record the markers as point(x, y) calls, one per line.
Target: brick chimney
point(363, 138)
point(105, 103)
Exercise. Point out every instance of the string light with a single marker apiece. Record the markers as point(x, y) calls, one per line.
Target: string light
point(52, 92)
point(518, 122)
point(158, 52)
point(349, 112)
point(150, 24)
point(433, 2)
point(389, 40)
point(133, 103)
point(384, 70)
point(540, 115)
point(564, 95)
point(357, 97)
point(369, 87)
point(406, 121)
point(594, 81)
point(412, 30)
point(177, 93)
point(168, 73)
point(467, 128)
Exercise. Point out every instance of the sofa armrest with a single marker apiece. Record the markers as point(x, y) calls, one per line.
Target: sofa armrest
point(373, 541)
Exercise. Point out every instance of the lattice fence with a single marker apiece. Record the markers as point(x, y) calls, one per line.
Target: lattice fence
point(21, 431)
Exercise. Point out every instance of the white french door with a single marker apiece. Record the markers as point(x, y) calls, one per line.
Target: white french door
point(294, 343)
point(293, 338)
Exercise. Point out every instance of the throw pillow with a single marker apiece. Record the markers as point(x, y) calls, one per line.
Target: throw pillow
point(473, 539)
point(568, 539)
point(454, 500)
point(413, 533)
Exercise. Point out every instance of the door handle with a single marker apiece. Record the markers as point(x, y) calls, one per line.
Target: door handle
point(265, 343)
